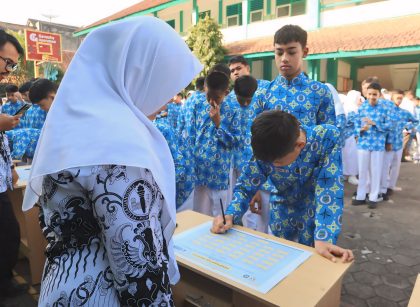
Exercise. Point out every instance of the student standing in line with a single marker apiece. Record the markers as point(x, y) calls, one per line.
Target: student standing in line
point(372, 125)
point(350, 167)
point(402, 119)
point(217, 134)
point(292, 91)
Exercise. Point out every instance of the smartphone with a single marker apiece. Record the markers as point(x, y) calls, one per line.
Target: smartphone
point(23, 109)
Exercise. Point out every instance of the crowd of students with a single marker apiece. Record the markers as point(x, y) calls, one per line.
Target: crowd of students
point(270, 154)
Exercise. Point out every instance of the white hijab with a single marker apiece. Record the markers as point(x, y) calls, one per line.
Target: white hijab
point(121, 73)
point(351, 101)
point(338, 106)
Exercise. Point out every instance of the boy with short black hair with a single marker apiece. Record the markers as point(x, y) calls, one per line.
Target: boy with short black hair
point(304, 165)
point(372, 125)
point(35, 116)
point(292, 91)
point(13, 104)
point(24, 91)
point(402, 119)
point(199, 84)
point(217, 133)
point(42, 93)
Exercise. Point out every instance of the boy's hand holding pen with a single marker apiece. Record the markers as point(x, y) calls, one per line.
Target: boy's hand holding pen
point(222, 223)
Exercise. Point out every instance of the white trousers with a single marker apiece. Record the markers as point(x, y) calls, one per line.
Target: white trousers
point(350, 166)
point(390, 170)
point(233, 178)
point(207, 201)
point(370, 168)
point(259, 222)
point(417, 154)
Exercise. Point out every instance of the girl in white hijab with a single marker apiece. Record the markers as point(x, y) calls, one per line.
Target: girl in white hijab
point(104, 173)
point(350, 166)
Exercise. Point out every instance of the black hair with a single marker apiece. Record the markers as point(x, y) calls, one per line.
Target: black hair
point(180, 94)
point(199, 84)
point(291, 33)
point(238, 59)
point(6, 37)
point(11, 88)
point(220, 67)
point(217, 81)
point(25, 87)
point(245, 86)
point(40, 90)
point(375, 86)
point(274, 135)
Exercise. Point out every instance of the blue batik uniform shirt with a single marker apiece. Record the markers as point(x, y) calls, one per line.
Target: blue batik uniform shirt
point(402, 119)
point(243, 152)
point(186, 130)
point(173, 113)
point(308, 100)
point(183, 175)
point(308, 204)
point(214, 146)
point(11, 109)
point(35, 117)
point(23, 142)
point(375, 137)
point(417, 114)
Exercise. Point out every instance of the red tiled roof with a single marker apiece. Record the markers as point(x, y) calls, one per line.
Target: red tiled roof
point(389, 33)
point(144, 5)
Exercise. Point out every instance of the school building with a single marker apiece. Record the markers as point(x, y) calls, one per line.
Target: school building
point(348, 39)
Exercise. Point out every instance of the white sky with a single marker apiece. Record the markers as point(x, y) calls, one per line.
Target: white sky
point(70, 12)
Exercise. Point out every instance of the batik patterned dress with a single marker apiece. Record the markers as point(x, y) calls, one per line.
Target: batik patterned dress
point(105, 239)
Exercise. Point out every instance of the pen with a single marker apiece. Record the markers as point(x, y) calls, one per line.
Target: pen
point(223, 212)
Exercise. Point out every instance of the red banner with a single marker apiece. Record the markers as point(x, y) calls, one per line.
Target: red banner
point(43, 46)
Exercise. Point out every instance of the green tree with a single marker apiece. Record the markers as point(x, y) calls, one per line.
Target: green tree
point(205, 41)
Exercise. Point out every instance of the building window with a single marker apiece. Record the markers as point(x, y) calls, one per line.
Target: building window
point(286, 8)
point(203, 15)
point(171, 23)
point(256, 10)
point(234, 15)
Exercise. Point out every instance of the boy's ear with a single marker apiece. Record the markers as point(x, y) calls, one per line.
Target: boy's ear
point(305, 52)
point(300, 143)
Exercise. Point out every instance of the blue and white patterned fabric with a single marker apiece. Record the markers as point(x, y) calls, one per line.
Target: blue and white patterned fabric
point(173, 113)
point(349, 130)
point(309, 200)
point(417, 114)
point(23, 142)
point(402, 119)
point(11, 109)
point(184, 175)
point(186, 131)
point(35, 117)
point(214, 146)
point(309, 101)
point(243, 153)
point(374, 138)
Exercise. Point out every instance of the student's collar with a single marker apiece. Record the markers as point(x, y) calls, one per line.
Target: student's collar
point(298, 80)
